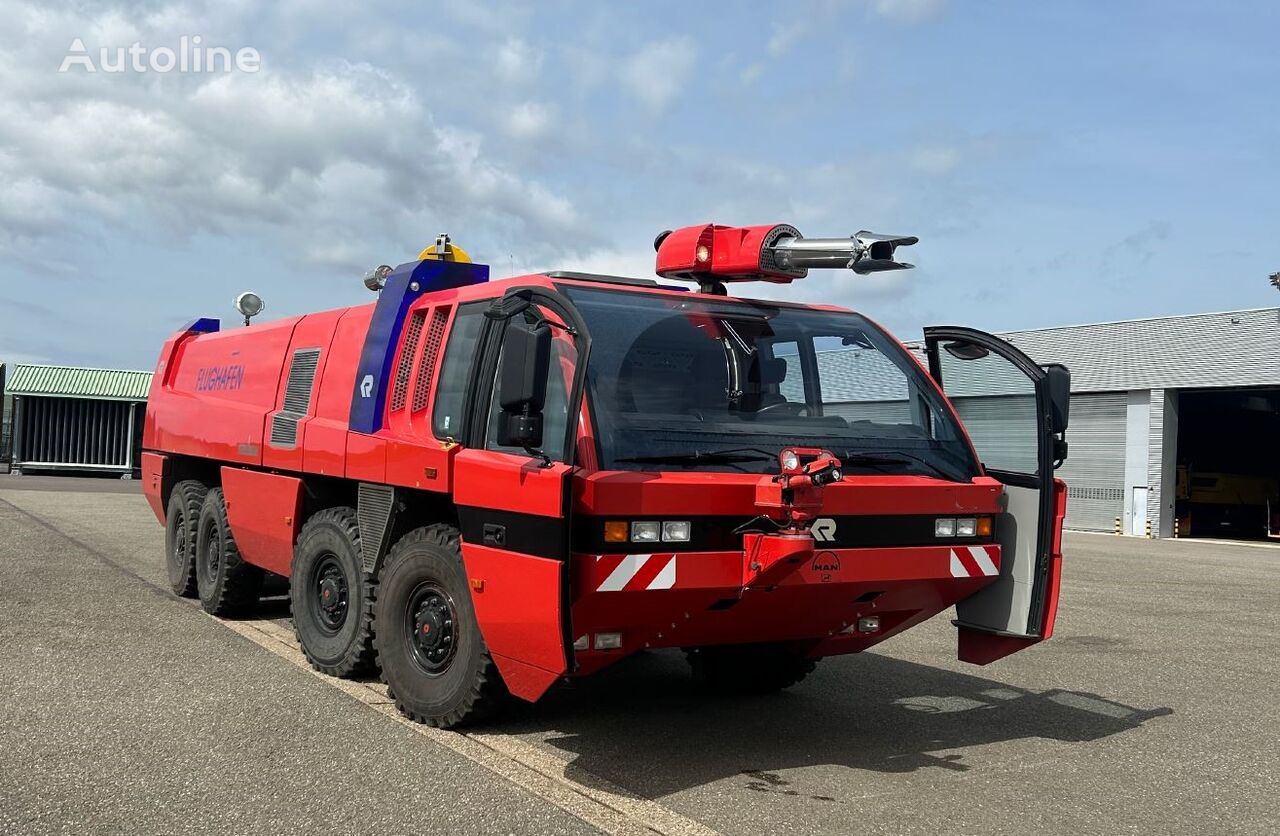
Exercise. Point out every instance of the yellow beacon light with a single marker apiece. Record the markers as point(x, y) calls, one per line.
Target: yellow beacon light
point(445, 250)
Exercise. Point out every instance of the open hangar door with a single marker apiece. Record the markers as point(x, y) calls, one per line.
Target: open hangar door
point(1228, 463)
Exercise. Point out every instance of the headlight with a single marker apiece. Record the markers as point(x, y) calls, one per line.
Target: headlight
point(966, 527)
point(646, 532)
point(676, 531)
point(790, 461)
point(944, 527)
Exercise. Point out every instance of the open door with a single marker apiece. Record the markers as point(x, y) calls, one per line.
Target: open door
point(1016, 414)
point(511, 485)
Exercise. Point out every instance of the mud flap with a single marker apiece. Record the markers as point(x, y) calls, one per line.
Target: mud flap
point(513, 513)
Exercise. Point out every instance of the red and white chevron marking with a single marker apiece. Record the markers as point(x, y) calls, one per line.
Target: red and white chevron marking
point(633, 572)
point(975, 561)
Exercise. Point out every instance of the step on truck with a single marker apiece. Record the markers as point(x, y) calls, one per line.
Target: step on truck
point(477, 488)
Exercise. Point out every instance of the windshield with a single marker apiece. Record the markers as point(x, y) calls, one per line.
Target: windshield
point(690, 383)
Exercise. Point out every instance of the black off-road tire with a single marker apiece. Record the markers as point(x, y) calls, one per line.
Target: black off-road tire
point(426, 565)
point(748, 668)
point(185, 502)
point(332, 596)
point(227, 585)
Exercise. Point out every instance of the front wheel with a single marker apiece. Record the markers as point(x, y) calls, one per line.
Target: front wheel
point(432, 656)
point(748, 668)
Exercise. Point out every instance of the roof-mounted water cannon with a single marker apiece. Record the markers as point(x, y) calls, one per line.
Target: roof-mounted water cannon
point(712, 254)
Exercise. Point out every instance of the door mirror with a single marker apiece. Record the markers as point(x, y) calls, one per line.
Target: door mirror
point(522, 384)
point(1059, 382)
point(962, 350)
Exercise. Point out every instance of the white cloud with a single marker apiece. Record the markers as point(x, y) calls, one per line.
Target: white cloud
point(659, 70)
point(528, 121)
point(909, 11)
point(517, 63)
point(343, 153)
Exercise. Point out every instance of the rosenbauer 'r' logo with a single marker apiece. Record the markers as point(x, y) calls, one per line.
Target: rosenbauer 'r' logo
point(366, 386)
point(823, 530)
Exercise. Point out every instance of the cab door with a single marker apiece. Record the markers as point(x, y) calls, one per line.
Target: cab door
point(513, 504)
point(1015, 412)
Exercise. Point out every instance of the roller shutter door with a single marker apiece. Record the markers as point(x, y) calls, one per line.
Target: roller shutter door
point(1094, 470)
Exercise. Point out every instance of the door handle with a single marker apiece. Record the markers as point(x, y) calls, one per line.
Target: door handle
point(495, 535)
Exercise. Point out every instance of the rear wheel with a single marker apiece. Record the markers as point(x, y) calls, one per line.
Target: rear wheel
point(432, 656)
point(332, 596)
point(227, 585)
point(180, 536)
point(748, 668)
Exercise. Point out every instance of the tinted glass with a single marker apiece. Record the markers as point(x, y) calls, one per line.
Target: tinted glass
point(459, 355)
point(676, 378)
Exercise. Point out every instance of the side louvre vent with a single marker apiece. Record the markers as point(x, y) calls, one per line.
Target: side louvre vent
point(430, 352)
point(297, 398)
point(374, 507)
point(400, 391)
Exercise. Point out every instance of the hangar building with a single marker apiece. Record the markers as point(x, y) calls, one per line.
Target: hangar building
point(1175, 421)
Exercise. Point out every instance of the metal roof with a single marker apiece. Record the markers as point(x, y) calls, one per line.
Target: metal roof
point(71, 382)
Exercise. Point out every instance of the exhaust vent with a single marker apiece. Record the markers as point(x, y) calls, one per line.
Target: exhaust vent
point(297, 398)
point(430, 353)
point(400, 389)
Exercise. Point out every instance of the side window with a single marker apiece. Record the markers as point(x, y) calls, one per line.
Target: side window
point(555, 414)
point(459, 355)
point(860, 383)
point(996, 402)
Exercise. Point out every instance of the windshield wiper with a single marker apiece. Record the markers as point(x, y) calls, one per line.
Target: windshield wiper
point(743, 454)
point(855, 459)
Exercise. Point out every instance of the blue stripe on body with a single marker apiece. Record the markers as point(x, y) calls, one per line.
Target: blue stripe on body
point(374, 371)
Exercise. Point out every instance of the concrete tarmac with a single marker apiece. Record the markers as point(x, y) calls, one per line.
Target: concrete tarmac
point(126, 709)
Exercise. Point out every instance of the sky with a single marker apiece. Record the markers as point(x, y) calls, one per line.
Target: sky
point(1060, 162)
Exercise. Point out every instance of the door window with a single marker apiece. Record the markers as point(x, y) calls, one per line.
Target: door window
point(459, 356)
point(555, 412)
point(997, 404)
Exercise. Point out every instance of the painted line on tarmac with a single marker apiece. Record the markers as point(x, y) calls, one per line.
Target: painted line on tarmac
point(603, 804)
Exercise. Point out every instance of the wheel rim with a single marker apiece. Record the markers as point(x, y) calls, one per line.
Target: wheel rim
point(332, 593)
point(431, 622)
point(212, 554)
point(179, 554)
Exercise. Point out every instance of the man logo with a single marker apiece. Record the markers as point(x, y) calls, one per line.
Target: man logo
point(824, 530)
point(826, 562)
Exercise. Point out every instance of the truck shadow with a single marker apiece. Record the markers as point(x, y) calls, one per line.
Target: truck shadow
point(643, 726)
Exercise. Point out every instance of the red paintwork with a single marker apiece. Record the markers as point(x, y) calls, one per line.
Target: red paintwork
point(223, 422)
point(778, 588)
point(153, 470)
point(633, 493)
point(734, 254)
point(518, 607)
point(264, 511)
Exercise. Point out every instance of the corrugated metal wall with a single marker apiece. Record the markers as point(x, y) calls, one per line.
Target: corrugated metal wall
point(1236, 348)
point(1094, 469)
point(76, 433)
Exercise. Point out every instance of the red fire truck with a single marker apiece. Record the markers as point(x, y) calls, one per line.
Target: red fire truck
point(477, 488)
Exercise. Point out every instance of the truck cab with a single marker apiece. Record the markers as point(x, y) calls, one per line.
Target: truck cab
point(622, 464)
